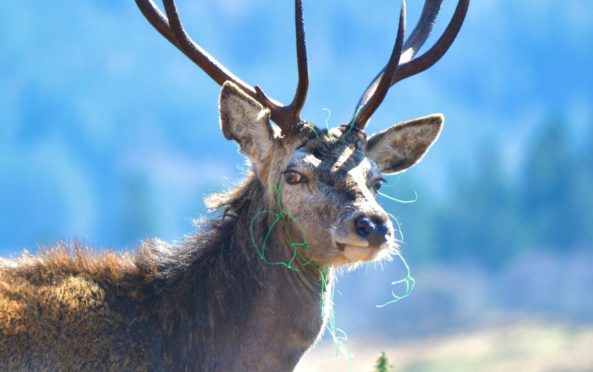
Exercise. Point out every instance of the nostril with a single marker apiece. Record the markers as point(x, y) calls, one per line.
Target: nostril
point(364, 227)
point(382, 229)
point(375, 233)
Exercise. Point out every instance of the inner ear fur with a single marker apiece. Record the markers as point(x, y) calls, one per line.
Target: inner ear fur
point(246, 121)
point(405, 144)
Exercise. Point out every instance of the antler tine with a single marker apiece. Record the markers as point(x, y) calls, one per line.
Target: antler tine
point(154, 16)
point(172, 29)
point(196, 53)
point(423, 28)
point(414, 66)
point(434, 54)
point(289, 116)
point(375, 94)
point(303, 85)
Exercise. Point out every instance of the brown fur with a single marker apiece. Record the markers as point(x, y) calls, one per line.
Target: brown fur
point(172, 307)
point(210, 302)
point(55, 304)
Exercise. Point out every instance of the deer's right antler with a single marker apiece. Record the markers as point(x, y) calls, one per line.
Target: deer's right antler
point(287, 117)
point(404, 65)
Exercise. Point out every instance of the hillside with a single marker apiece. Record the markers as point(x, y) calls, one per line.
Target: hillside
point(527, 348)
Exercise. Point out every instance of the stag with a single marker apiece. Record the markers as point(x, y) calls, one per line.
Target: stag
point(245, 292)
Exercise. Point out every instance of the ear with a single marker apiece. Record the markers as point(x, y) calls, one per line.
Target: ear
point(403, 145)
point(246, 121)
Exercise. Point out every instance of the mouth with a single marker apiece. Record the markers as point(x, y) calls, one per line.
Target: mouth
point(359, 254)
point(341, 247)
point(357, 251)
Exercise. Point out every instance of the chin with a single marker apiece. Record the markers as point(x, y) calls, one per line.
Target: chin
point(354, 254)
point(384, 252)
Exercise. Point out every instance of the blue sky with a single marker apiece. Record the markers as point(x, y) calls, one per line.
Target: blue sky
point(95, 106)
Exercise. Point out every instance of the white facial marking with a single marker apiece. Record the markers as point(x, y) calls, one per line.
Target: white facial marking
point(312, 161)
point(359, 175)
point(344, 156)
point(335, 133)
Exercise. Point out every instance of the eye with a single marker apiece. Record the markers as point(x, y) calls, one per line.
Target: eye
point(378, 183)
point(293, 178)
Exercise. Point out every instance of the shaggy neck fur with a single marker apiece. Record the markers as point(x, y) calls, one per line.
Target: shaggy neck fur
point(221, 307)
point(209, 303)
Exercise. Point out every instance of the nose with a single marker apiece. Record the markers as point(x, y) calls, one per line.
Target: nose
point(374, 230)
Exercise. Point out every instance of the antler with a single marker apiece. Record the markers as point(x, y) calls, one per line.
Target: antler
point(170, 27)
point(405, 65)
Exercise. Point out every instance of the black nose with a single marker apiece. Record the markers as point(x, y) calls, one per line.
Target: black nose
point(375, 231)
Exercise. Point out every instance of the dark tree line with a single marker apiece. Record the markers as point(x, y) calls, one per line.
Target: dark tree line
point(492, 216)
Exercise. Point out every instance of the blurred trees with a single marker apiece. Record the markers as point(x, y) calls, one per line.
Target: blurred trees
point(491, 216)
point(547, 195)
point(484, 219)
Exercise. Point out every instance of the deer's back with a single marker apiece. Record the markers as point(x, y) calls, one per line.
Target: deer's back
point(58, 317)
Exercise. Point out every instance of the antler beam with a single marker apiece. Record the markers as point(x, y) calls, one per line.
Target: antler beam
point(408, 65)
point(381, 85)
point(170, 27)
point(292, 112)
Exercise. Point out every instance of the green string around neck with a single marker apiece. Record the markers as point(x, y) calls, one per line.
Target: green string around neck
point(278, 216)
point(339, 337)
point(297, 247)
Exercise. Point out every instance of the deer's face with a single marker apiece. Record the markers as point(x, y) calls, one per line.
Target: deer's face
point(327, 182)
point(329, 186)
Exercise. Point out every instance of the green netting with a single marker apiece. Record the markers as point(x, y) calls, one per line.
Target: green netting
point(298, 247)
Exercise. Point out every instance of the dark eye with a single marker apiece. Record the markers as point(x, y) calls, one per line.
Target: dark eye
point(292, 177)
point(378, 183)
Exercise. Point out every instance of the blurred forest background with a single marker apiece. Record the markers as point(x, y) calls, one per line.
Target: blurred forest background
point(109, 135)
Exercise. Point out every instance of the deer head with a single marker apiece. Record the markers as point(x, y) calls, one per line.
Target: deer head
point(327, 180)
